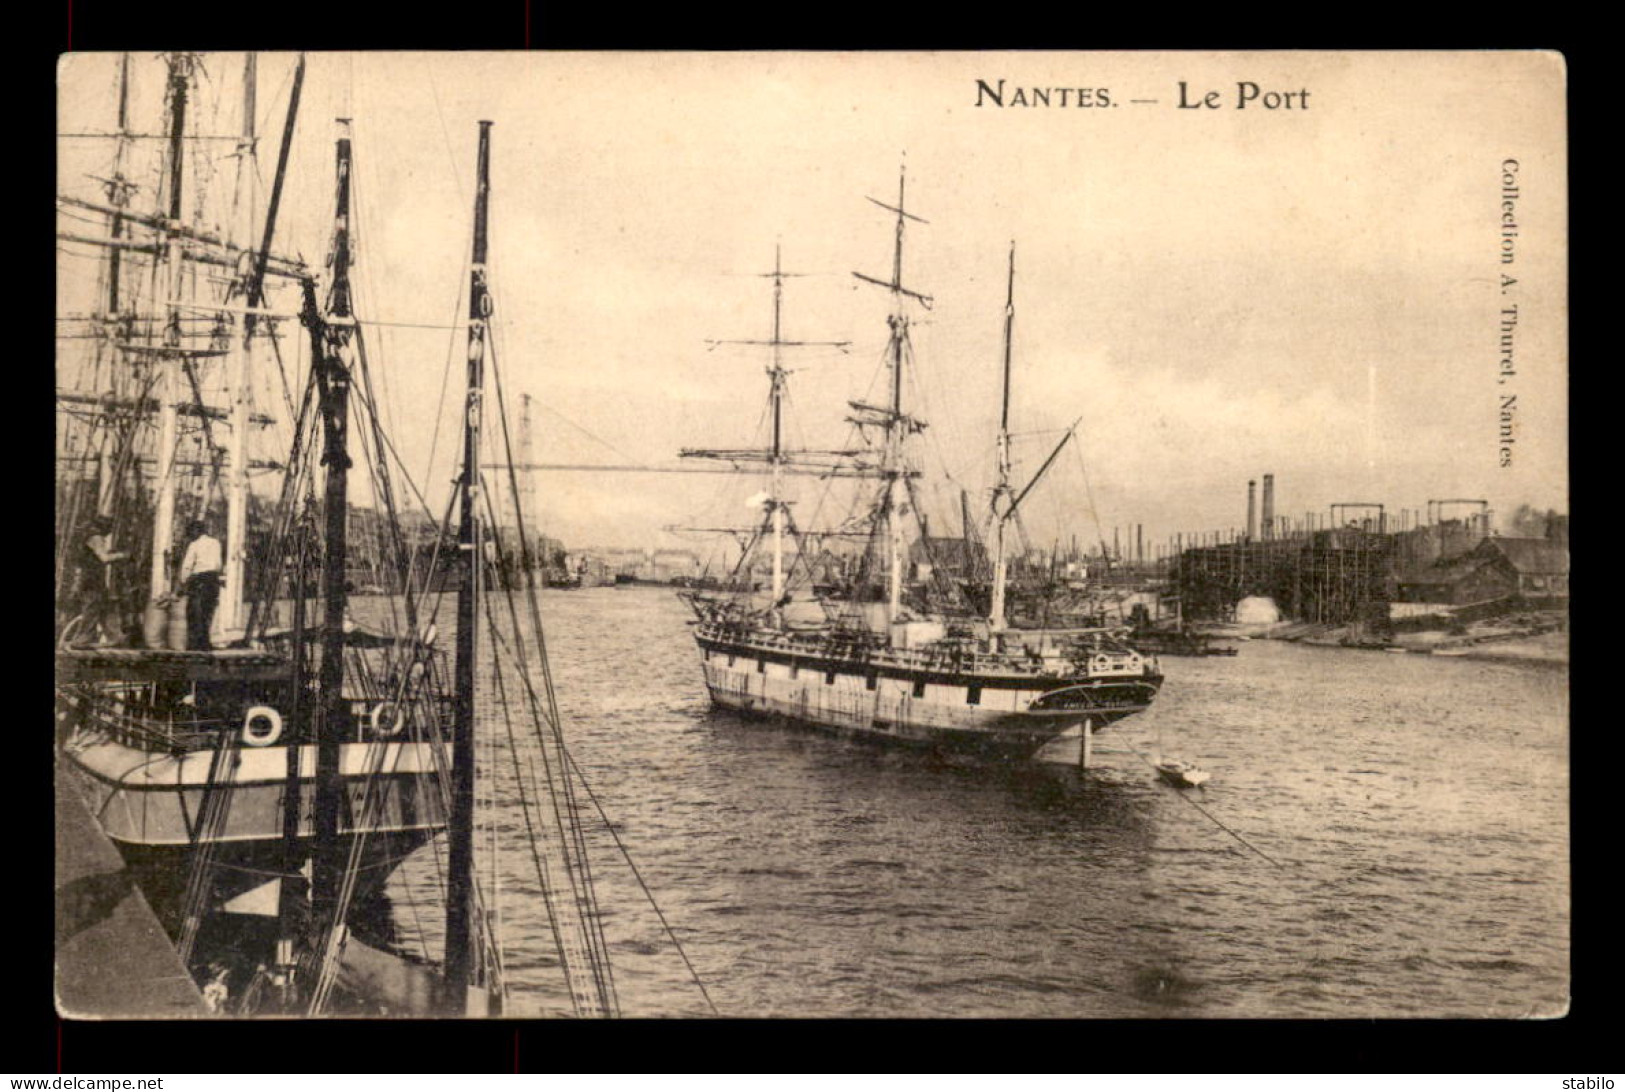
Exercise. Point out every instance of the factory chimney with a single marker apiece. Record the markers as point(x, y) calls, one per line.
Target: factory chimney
point(1269, 506)
point(1252, 510)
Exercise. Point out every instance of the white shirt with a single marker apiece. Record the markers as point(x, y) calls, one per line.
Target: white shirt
point(202, 556)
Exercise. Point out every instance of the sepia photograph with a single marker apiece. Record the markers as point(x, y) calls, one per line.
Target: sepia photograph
point(1040, 535)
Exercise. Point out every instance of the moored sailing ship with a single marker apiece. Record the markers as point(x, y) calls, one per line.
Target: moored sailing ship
point(264, 792)
point(888, 661)
point(259, 790)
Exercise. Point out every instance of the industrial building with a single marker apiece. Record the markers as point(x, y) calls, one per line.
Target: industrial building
point(1351, 568)
point(1535, 570)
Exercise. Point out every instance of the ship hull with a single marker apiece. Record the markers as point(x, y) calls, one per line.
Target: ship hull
point(939, 710)
point(242, 872)
point(148, 805)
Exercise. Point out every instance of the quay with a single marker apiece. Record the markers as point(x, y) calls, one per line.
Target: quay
point(113, 960)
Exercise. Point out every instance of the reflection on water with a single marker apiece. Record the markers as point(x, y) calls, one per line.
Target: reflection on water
point(1417, 808)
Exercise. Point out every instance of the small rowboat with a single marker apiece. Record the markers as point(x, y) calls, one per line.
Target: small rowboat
point(1181, 775)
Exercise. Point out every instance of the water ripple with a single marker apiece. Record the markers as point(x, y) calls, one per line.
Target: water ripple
point(1418, 804)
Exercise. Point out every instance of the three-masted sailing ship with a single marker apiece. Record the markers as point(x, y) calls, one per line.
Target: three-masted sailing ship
point(264, 792)
point(913, 663)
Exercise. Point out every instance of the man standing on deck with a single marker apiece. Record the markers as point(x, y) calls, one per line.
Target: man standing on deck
point(200, 583)
point(97, 597)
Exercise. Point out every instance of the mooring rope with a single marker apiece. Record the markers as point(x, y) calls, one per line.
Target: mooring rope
point(1211, 817)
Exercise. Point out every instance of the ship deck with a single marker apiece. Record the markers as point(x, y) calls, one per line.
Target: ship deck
point(1008, 667)
point(156, 665)
point(113, 959)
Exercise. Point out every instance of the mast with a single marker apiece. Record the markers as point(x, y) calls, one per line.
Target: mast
point(118, 193)
point(996, 619)
point(897, 424)
point(1011, 496)
point(331, 333)
point(256, 287)
point(117, 190)
point(528, 547)
point(460, 956)
point(238, 380)
point(163, 531)
point(292, 887)
point(777, 457)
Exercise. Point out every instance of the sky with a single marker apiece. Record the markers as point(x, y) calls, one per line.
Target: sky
point(1215, 294)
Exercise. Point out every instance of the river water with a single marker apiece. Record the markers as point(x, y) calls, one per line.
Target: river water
point(1410, 816)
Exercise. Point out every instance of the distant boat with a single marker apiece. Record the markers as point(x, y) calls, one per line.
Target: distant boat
point(1181, 775)
point(1180, 642)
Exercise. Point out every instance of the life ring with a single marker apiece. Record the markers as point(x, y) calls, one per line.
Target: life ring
point(256, 737)
point(1100, 663)
point(380, 729)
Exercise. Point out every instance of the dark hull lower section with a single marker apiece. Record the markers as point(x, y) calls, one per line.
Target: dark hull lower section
point(976, 746)
point(944, 714)
point(244, 942)
point(238, 932)
point(241, 871)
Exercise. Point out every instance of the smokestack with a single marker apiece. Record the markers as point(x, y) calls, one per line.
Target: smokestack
point(1252, 510)
point(1269, 506)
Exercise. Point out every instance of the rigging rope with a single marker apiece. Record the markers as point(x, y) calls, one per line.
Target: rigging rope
point(548, 715)
point(457, 303)
point(627, 854)
point(206, 838)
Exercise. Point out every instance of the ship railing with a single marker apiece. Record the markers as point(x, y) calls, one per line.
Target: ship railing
point(1082, 661)
point(365, 722)
point(425, 718)
point(957, 660)
point(174, 730)
point(397, 693)
point(1094, 663)
point(149, 730)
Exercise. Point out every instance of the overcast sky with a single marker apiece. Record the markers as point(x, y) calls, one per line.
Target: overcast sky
point(1216, 293)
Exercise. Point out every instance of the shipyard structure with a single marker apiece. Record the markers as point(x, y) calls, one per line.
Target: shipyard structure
point(1361, 564)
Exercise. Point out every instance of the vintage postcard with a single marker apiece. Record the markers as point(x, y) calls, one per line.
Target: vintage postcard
point(1066, 535)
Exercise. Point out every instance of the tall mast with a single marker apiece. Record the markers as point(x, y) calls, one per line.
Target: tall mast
point(117, 189)
point(1001, 491)
point(460, 956)
point(777, 457)
point(163, 532)
point(894, 460)
point(238, 380)
point(256, 286)
point(118, 192)
point(331, 333)
point(897, 424)
point(528, 547)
